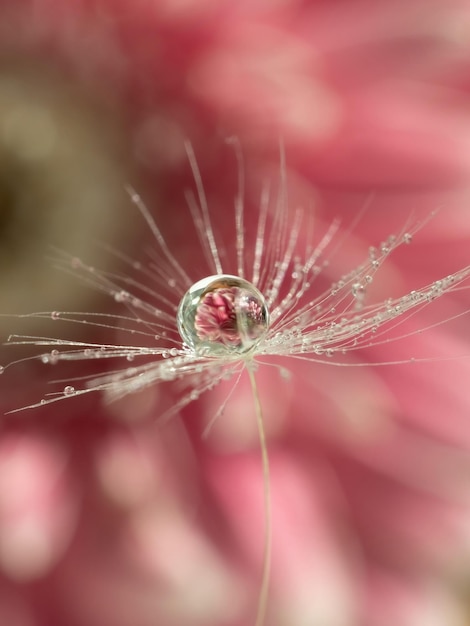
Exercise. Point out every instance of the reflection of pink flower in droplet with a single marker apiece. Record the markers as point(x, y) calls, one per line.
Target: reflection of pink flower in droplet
point(369, 465)
point(216, 319)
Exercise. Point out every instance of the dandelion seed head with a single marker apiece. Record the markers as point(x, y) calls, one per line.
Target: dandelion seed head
point(274, 296)
point(221, 315)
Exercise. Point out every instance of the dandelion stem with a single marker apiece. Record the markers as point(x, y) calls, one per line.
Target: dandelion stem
point(264, 589)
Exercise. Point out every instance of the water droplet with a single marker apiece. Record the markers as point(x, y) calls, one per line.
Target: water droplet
point(407, 238)
point(222, 315)
point(121, 296)
point(130, 357)
point(2, 369)
point(69, 390)
point(55, 315)
point(358, 290)
point(54, 357)
point(42, 402)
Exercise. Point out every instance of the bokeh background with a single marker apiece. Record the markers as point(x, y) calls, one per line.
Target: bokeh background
point(108, 518)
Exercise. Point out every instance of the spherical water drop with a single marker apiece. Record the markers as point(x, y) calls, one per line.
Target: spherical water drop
point(2, 369)
point(407, 238)
point(69, 390)
point(55, 315)
point(222, 315)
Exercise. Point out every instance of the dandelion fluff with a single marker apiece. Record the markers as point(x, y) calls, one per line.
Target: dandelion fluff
point(266, 297)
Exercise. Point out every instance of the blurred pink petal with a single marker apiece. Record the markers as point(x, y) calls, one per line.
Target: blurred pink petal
point(411, 602)
point(37, 506)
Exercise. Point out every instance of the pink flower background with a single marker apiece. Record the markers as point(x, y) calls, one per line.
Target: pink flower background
point(109, 518)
